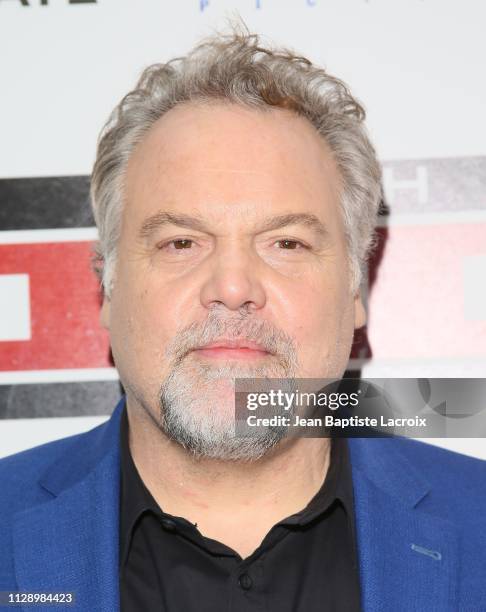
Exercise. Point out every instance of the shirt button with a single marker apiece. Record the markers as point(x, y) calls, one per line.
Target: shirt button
point(168, 525)
point(245, 582)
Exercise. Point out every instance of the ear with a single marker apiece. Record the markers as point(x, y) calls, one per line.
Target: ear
point(105, 313)
point(359, 311)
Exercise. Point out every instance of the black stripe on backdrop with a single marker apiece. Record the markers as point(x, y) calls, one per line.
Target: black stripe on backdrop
point(452, 184)
point(45, 203)
point(58, 399)
point(66, 399)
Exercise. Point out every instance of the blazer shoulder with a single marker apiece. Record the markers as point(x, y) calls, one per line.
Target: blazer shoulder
point(20, 472)
point(30, 462)
point(436, 460)
point(457, 481)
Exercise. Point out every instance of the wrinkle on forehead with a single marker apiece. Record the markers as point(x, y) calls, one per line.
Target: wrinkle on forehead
point(233, 161)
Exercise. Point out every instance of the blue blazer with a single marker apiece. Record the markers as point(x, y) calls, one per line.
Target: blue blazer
point(420, 518)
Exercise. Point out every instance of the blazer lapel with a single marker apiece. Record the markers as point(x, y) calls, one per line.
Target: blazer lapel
point(408, 559)
point(70, 543)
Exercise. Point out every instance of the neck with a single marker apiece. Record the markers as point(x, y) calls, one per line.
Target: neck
point(221, 496)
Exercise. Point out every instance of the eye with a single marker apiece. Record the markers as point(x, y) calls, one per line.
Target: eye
point(291, 245)
point(178, 245)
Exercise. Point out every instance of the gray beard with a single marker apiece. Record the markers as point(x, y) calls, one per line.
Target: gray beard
point(197, 409)
point(197, 399)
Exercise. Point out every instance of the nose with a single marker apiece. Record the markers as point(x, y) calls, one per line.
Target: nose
point(233, 280)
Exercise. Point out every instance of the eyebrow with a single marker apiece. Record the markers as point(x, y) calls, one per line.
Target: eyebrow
point(164, 218)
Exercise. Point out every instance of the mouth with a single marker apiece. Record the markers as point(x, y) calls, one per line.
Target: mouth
point(232, 349)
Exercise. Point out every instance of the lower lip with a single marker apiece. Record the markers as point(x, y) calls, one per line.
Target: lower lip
point(221, 352)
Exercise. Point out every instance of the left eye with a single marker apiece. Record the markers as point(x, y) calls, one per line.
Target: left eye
point(290, 245)
point(176, 245)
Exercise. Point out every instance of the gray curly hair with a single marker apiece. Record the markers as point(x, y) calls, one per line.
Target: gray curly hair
point(236, 68)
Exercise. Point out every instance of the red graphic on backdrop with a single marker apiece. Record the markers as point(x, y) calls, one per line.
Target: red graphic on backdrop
point(420, 298)
point(65, 303)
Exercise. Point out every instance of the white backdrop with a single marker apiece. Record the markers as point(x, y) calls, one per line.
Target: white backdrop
point(417, 66)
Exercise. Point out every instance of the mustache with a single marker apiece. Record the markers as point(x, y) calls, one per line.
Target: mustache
point(241, 327)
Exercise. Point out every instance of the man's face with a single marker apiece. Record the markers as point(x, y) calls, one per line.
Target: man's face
point(231, 234)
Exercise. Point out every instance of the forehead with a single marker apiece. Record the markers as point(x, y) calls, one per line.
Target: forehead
point(222, 157)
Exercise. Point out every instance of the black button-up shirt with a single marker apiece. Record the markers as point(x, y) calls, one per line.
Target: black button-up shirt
point(306, 562)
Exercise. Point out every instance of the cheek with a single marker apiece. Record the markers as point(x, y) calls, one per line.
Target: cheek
point(151, 323)
point(149, 308)
point(320, 318)
point(139, 332)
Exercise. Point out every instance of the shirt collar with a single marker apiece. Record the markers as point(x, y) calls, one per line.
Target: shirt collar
point(135, 498)
point(337, 485)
